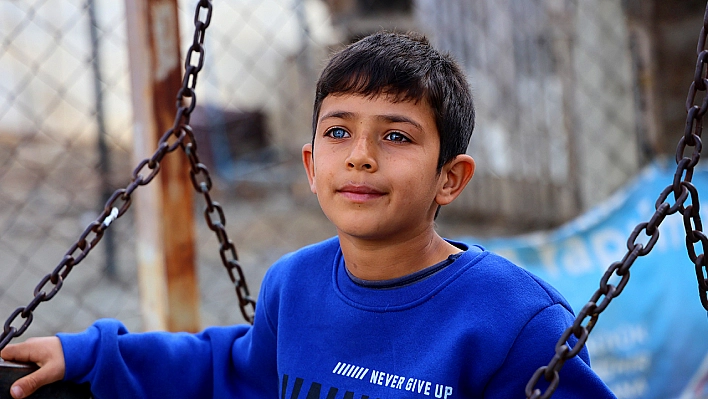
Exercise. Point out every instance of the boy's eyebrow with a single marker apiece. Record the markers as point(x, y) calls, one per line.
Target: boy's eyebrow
point(392, 118)
point(395, 118)
point(337, 114)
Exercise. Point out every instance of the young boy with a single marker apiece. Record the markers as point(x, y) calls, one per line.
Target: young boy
point(388, 308)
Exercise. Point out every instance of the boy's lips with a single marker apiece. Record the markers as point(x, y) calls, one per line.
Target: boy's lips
point(360, 192)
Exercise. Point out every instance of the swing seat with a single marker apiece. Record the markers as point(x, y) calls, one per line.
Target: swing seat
point(11, 372)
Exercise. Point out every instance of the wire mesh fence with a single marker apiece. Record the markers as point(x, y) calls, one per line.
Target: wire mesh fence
point(66, 141)
point(560, 127)
point(50, 174)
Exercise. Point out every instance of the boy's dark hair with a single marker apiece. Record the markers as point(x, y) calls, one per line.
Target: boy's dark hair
point(407, 67)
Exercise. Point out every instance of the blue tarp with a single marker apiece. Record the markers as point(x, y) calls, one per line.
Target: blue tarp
point(652, 340)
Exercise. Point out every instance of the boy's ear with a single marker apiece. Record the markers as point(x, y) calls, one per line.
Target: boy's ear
point(309, 163)
point(454, 177)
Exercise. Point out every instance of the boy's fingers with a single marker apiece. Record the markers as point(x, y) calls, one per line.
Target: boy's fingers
point(23, 352)
point(9, 352)
point(26, 385)
point(45, 352)
point(34, 350)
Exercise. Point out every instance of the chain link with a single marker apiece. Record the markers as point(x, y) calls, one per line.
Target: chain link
point(179, 136)
point(201, 181)
point(199, 174)
point(682, 189)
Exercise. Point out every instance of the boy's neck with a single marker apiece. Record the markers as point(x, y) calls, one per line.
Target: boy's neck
point(376, 260)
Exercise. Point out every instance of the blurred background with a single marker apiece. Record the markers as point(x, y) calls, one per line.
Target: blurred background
point(574, 99)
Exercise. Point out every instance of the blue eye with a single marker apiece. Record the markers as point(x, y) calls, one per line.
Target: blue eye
point(397, 136)
point(337, 133)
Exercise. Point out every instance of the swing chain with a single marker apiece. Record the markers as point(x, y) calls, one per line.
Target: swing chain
point(216, 221)
point(144, 173)
point(51, 283)
point(199, 174)
point(682, 189)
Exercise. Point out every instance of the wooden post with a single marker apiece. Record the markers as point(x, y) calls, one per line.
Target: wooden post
point(164, 209)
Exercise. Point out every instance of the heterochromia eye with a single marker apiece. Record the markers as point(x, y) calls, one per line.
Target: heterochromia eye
point(337, 133)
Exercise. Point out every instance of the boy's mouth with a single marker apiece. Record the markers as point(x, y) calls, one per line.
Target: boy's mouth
point(360, 192)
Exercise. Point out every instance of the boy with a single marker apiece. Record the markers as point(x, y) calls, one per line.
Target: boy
point(388, 308)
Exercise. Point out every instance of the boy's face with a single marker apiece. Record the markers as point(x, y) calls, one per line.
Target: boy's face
point(373, 166)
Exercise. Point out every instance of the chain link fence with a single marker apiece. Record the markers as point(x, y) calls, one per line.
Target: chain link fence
point(562, 123)
point(66, 132)
point(53, 174)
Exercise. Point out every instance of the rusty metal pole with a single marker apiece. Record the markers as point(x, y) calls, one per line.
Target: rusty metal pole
point(165, 225)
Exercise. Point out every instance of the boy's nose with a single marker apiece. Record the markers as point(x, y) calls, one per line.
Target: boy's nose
point(362, 156)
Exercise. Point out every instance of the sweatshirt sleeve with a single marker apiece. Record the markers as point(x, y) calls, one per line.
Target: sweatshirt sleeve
point(236, 361)
point(119, 364)
point(534, 347)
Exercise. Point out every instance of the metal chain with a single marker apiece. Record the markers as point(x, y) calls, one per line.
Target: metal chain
point(682, 189)
point(179, 136)
point(199, 174)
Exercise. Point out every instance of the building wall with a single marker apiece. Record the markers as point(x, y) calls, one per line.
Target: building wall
point(553, 82)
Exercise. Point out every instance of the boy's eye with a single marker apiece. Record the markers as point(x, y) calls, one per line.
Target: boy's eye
point(396, 136)
point(337, 133)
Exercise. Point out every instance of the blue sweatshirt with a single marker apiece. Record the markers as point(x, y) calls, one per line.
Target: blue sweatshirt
point(478, 327)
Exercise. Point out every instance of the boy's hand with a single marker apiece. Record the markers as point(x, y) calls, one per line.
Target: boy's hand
point(47, 353)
